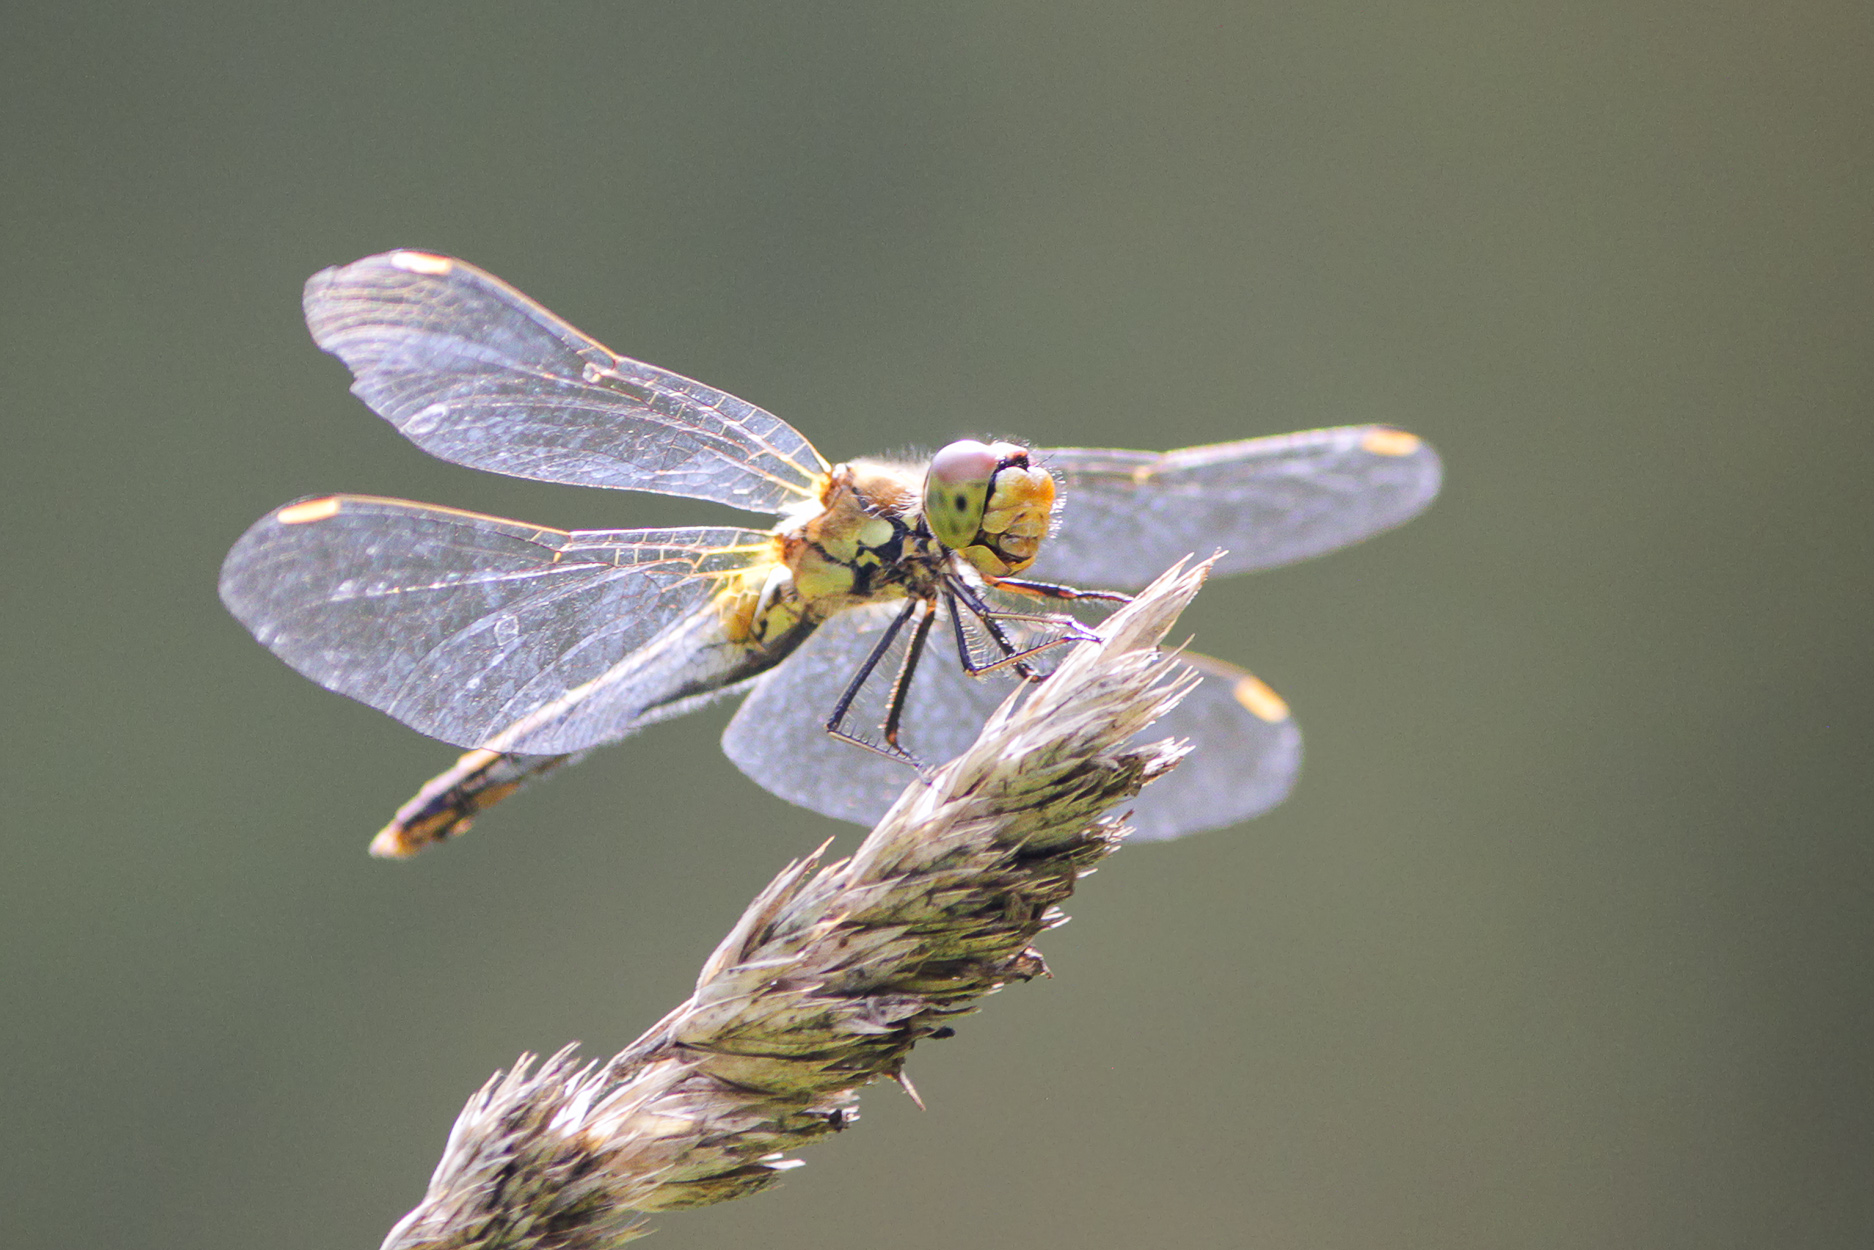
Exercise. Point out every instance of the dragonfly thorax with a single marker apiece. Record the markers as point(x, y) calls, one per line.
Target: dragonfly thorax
point(865, 542)
point(885, 531)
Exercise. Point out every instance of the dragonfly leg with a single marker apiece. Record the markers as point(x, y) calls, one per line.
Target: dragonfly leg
point(835, 724)
point(1012, 655)
point(901, 686)
point(1049, 590)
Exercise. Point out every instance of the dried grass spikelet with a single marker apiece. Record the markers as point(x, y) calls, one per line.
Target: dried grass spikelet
point(828, 979)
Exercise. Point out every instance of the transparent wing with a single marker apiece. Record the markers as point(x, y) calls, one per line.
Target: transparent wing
point(493, 633)
point(1246, 756)
point(472, 371)
point(1126, 515)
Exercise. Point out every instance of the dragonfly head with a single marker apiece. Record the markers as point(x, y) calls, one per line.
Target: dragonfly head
point(987, 503)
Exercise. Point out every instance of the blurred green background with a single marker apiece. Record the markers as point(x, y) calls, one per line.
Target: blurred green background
point(1564, 940)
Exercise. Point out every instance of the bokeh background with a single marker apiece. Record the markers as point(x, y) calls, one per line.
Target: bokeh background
point(1564, 940)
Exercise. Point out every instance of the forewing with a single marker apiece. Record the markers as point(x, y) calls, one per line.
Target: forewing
point(1245, 757)
point(472, 371)
point(1126, 515)
point(493, 633)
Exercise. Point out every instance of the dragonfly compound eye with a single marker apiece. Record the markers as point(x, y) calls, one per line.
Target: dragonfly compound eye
point(956, 489)
point(988, 504)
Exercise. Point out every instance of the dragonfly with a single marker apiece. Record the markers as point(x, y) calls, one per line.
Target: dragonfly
point(888, 608)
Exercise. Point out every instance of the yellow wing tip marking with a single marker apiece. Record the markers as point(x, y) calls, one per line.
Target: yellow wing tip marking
point(311, 510)
point(1262, 702)
point(1386, 441)
point(422, 262)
